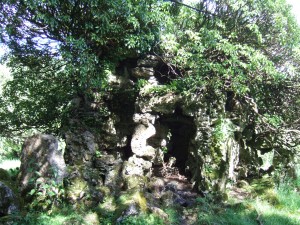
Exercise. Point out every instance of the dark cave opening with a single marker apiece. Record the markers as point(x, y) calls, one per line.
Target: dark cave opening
point(229, 105)
point(182, 130)
point(127, 149)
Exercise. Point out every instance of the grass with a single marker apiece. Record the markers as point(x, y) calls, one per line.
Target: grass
point(65, 215)
point(251, 212)
point(278, 215)
point(260, 209)
point(268, 206)
point(142, 219)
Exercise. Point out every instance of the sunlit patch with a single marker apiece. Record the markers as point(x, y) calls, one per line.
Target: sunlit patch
point(92, 218)
point(10, 164)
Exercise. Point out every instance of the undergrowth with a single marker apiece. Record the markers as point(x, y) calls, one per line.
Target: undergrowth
point(265, 203)
point(258, 209)
point(9, 149)
point(143, 219)
point(268, 205)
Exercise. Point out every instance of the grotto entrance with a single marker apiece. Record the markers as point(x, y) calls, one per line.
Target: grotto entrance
point(177, 130)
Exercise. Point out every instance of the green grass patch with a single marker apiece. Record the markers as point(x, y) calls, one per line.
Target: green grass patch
point(279, 215)
point(289, 200)
point(65, 215)
point(142, 219)
point(269, 205)
point(248, 213)
point(173, 216)
point(207, 212)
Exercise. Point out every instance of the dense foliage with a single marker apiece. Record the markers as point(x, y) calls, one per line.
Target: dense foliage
point(246, 49)
point(59, 50)
point(63, 49)
point(245, 53)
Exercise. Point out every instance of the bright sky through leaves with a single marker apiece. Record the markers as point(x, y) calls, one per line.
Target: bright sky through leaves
point(294, 3)
point(296, 8)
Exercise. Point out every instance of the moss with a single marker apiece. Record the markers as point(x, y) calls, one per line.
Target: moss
point(141, 200)
point(135, 181)
point(271, 197)
point(113, 208)
point(108, 206)
point(261, 186)
point(242, 184)
point(105, 190)
point(131, 197)
point(76, 188)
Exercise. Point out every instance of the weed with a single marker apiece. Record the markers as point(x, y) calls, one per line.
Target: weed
point(173, 216)
point(142, 219)
point(9, 150)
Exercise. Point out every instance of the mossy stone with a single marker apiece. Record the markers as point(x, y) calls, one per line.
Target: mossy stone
point(136, 181)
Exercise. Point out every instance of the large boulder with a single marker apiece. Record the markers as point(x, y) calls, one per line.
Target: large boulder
point(41, 158)
point(139, 141)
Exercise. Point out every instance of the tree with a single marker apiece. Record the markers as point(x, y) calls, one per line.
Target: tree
point(63, 49)
point(245, 50)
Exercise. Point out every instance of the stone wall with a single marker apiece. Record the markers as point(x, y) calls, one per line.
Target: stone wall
point(143, 130)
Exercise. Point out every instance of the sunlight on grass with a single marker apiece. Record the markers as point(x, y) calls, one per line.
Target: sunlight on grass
point(251, 212)
point(10, 164)
point(92, 218)
point(279, 215)
point(289, 200)
point(263, 203)
point(57, 219)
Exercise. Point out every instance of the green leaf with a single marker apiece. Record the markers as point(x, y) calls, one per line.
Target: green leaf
point(32, 192)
